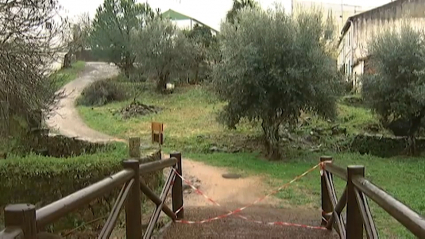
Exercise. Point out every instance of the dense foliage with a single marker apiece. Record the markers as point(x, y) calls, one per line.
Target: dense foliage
point(112, 26)
point(395, 89)
point(102, 92)
point(162, 50)
point(30, 38)
point(204, 52)
point(238, 5)
point(273, 68)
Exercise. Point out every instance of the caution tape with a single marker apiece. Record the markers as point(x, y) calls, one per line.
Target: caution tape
point(248, 205)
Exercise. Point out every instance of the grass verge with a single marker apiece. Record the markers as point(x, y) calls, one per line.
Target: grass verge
point(64, 76)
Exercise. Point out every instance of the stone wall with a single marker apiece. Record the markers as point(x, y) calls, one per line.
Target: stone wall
point(383, 146)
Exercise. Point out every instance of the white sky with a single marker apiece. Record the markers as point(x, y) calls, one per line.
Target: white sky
point(210, 12)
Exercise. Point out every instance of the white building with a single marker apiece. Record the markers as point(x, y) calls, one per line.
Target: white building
point(361, 28)
point(184, 21)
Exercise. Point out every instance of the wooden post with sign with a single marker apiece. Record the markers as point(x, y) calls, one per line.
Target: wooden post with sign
point(157, 133)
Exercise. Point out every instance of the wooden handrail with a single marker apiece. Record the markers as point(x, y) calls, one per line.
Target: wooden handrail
point(155, 199)
point(60, 208)
point(360, 186)
point(113, 216)
point(157, 165)
point(402, 213)
point(335, 170)
point(30, 221)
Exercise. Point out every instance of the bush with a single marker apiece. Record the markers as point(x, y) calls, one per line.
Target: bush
point(394, 89)
point(273, 68)
point(41, 180)
point(101, 93)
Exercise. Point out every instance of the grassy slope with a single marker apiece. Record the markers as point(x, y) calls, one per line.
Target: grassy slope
point(64, 76)
point(191, 112)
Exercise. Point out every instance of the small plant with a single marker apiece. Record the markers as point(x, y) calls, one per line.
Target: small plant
point(101, 93)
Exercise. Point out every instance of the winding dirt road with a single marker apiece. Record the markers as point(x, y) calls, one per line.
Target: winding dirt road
point(67, 121)
point(231, 193)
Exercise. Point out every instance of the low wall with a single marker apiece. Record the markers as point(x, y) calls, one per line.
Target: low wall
point(383, 146)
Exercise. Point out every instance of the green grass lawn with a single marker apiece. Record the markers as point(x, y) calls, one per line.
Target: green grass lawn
point(190, 122)
point(64, 76)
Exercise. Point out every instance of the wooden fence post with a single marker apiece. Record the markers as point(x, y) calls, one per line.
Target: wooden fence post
point(133, 207)
point(177, 190)
point(326, 201)
point(22, 216)
point(354, 218)
point(134, 147)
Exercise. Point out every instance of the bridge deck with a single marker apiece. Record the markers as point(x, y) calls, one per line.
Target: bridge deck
point(234, 227)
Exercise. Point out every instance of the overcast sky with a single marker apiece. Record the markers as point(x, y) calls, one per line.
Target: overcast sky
point(210, 12)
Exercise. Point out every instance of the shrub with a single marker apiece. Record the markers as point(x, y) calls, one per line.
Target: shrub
point(41, 180)
point(273, 68)
point(101, 93)
point(394, 89)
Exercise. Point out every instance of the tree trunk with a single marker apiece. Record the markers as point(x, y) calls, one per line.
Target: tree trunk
point(162, 83)
point(271, 133)
point(411, 141)
point(67, 61)
point(414, 127)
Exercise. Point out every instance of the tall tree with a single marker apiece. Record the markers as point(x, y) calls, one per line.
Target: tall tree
point(237, 6)
point(31, 35)
point(112, 26)
point(204, 45)
point(274, 67)
point(395, 89)
point(165, 51)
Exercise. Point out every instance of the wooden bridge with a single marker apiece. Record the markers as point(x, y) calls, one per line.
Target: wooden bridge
point(24, 221)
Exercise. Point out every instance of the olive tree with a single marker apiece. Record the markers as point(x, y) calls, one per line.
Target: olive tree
point(111, 29)
point(395, 89)
point(162, 50)
point(274, 67)
point(203, 48)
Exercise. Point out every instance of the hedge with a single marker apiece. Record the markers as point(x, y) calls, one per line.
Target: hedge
point(41, 180)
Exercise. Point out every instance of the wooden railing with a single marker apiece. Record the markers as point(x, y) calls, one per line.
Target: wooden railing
point(24, 221)
point(358, 218)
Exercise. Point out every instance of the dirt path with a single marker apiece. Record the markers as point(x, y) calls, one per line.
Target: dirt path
point(226, 191)
point(66, 119)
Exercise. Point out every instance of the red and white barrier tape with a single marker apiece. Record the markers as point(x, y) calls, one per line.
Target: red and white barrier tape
point(249, 205)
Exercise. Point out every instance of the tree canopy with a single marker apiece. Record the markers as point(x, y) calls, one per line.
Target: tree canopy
point(162, 50)
point(395, 89)
point(274, 67)
point(238, 5)
point(204, 51)
point(112, 26)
